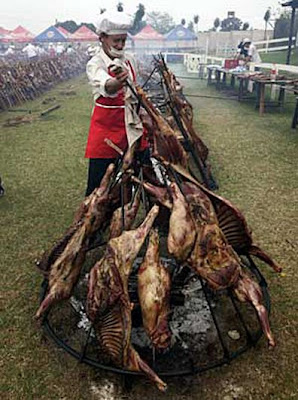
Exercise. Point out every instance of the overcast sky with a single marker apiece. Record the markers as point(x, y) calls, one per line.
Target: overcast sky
point(37, 15)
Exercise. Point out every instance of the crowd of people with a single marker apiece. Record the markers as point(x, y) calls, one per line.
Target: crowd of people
point(32, 51)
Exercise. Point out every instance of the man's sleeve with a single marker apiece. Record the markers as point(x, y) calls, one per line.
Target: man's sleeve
point(98, 77)
point(251, 51)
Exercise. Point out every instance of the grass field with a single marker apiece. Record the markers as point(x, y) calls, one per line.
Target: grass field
point(255, 163)
point(280, 57)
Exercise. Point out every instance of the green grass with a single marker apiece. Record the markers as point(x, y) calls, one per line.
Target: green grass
point(42, 165)
point(280, 57)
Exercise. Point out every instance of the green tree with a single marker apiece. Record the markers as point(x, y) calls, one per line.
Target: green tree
point(196, 20)
point(282, 25)
point(190, 26)
point(267, 17)
point(161, 21)
point(183, 21)
point(216, 24)
point(120, 7)
point(138, 22)
point(89, 25)
point(231, 24)
point(71, 26)
point(245, 26)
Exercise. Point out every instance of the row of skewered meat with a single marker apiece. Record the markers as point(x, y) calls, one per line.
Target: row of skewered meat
point(178, 114)
point(206, 234)
point(26, 80)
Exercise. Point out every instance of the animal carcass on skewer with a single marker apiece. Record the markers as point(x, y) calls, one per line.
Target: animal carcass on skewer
point(248, 290)
point(108, 303)
point(215, 260)
point(185, 113)
point(65, 267)
point(166, 144)
point(154, 294)
point(212, 256)
point(182, 229)
point(234, 226)
point(182, 232)
point(49, 258)
point(231, 221)
point(130, 212)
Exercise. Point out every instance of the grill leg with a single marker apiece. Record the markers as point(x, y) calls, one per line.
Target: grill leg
point(295, 117)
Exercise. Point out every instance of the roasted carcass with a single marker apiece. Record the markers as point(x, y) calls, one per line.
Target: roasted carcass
point(248, 290)
point(108, 302)
point(184, 109)
point(154, 294)
point(66, 259)
point(215, 260)
point(182, 228)
point(182, 232)
point(127, 219)
point(230, 219)
point(212, 256)
point(166, 144)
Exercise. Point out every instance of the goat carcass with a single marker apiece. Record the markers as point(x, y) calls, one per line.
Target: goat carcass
point(248, 290)
point(215, 260)
point(108, 303)
point(182, 229)
point(66, 266)
point(166, 144)
point(130, 212)
point(154, 294)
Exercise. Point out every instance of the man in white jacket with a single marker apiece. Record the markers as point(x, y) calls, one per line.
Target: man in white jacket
point(114, 114)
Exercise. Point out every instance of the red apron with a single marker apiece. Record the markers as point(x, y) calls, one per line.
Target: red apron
point(108, 121)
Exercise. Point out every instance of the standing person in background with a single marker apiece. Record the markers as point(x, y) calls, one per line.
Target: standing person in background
point(51, 50)
point(241, 51)
point(10, 51)
point(252, 52)
point(70, 50)
point(114, 114)
point(59, 49)
point(41, 51)
point(30, 51)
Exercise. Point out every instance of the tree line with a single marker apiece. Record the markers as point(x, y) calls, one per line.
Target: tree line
point(163, 22)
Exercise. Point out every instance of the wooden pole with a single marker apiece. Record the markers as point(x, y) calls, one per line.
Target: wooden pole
point(291, 36)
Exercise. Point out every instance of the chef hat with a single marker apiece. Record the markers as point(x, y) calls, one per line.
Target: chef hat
point(114, 23)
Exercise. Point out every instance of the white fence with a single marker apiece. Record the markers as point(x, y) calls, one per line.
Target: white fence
point(264, 45)
point(196, 63)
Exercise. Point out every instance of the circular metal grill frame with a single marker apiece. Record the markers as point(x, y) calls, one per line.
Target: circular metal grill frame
point(251, 338)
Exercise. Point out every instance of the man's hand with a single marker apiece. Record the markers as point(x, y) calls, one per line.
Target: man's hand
point(114, 84)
